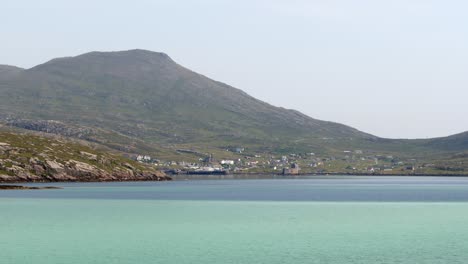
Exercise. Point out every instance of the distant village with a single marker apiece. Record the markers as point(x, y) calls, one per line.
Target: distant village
point(348, 161)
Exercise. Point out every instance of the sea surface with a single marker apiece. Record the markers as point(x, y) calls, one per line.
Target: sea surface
point(230, 220)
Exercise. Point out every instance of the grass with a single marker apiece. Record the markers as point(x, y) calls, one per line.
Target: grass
point(26, 146)
point(167, 107)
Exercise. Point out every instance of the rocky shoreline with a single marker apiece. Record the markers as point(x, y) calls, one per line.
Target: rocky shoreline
point(20, 187)
point(74, 171)
point(12, 180)
point(26, 158)
point(98, 177)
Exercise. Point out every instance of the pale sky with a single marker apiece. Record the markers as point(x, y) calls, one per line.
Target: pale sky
point(394, 68)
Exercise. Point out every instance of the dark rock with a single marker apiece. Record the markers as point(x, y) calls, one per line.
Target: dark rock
point(18, 187)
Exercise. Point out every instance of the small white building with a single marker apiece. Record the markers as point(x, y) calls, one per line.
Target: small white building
point(143, 158)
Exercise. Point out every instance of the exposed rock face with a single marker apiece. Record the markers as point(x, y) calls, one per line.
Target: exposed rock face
point(73, 170)
point(51, 126)
point(89, 156)
point(48, 165)
point(54, 166)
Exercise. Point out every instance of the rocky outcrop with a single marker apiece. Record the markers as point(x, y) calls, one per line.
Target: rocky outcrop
point(72, 170)
point(50, 126)
point(18, 187)
point(45, 164)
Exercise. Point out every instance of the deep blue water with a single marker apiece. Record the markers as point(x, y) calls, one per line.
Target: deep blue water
point(313, 188)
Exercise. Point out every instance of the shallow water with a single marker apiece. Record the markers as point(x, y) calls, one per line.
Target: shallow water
point(341, 220)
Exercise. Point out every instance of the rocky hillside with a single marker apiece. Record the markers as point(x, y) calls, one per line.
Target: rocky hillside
point(32, 158)
point(139, 101)
point(144, 95)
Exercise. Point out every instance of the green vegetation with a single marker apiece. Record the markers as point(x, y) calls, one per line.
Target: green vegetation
point(142, 102)
point(28, 157)
point(26, 146)
point(137, 99)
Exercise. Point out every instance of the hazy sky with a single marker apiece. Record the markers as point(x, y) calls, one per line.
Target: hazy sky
point(394, 68)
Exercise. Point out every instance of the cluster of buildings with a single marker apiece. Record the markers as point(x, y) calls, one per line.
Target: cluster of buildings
point(210, 165)
point(144, 158)
point(355, 161)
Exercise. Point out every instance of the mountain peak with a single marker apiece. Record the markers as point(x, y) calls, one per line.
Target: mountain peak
point(137, 53)
point(144, 94)
point(9, 68)
point(8, 71)
point(133, 61)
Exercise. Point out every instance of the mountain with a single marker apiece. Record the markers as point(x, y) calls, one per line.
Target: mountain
point(139, 101)
point(458, 142)
point(27, 157)
point(147, 99)
point(7, 71)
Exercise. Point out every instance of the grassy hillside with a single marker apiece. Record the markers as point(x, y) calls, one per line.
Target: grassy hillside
point(145, 95)
point(7, 71)
point(458, 142)
point(139, 101)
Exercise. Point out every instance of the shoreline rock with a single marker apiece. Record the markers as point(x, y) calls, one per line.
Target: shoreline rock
point(20, 187)
point(31, 158)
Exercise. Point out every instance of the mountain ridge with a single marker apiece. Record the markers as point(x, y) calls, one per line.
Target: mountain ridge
point(144, 95)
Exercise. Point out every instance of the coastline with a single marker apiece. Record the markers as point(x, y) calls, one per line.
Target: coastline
point(363, 174)
point(20, 187)
point(228, 176)
point(159, 179)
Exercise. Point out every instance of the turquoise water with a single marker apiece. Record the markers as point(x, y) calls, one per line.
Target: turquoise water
point(74, 225)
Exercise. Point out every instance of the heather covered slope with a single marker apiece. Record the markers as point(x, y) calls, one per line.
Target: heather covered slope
point(142, 101)
point(145, 95)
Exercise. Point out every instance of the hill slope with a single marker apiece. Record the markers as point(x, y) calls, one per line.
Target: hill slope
point(7, 71)
point(138, 95)
point(143, 101)
point(26, 157)
point(458, 142)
